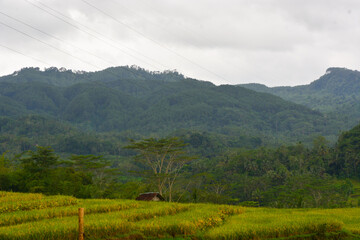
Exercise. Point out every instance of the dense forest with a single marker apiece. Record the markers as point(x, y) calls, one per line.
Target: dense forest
point(129, 99)
point(287, 176)
point(66, 132)
point(335, 94)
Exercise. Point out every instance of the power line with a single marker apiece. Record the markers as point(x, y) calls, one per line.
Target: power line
point(45, 43)
point(151, 21)
point(49, 45)
point(150, 39)
point(19, 31)
point(67, 53)
point(72, 25)
point(38, 60)
point(54, 37)
point(13, 50)
point(106, 40)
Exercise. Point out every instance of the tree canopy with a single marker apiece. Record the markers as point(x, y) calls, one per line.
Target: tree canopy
point(166, 158)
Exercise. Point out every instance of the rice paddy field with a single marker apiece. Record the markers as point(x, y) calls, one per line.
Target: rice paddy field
point(35, 216)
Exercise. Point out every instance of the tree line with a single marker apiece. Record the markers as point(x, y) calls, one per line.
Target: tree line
point(179, 168)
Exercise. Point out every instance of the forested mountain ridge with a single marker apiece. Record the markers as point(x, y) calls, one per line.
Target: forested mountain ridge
point(336, 94)
point(63, 77)
point(133, 99)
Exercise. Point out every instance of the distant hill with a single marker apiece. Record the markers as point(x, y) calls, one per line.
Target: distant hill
point(336, 94)
point(124, 99)
point(62, 77)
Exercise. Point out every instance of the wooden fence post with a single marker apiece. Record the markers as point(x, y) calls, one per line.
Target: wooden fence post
point(81, 223)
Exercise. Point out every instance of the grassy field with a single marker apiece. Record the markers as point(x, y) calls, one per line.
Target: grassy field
point(34, 216)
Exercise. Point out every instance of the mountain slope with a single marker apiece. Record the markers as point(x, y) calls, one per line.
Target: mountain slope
point(336, 94)
point(132, 99)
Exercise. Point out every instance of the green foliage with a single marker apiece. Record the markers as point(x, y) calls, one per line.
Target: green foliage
point(165, 157)
point(347, 161)
point(308, 191)
point(6, 180)
point(249, 204)
point(336, 94)
point(42, 171)
point(291, 177)
point(133, 99)
point(40, 160)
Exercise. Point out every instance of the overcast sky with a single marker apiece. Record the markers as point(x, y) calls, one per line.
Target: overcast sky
point(273, 42)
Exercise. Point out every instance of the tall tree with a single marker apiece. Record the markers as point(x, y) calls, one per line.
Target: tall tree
point(165, 157)
point(37, 168)
point(40, 160)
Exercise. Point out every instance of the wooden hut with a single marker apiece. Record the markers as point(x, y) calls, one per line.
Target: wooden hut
point(150, 196)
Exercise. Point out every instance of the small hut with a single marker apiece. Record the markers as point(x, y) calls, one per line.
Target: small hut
point(150, 196)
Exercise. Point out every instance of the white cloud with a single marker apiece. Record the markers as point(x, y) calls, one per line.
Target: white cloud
point(275, 42)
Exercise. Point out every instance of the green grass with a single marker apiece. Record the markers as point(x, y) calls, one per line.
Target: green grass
point(96, 224)
point(55, 217)
point(91, 206)
point(273, 223)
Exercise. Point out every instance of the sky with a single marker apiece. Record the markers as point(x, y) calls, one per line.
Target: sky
point(272, 42)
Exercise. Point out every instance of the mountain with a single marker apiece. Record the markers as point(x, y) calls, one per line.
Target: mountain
point(62, 77)
point(131, 99)
point(336, 94)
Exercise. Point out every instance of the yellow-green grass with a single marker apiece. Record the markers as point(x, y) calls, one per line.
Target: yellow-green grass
point(261, 223)
point(96, 225)
point(45, 202)
point(6, 197)
point(273, 223)
point(189, 223)
point(54, 218)
point(91, 206)
point(350, 217)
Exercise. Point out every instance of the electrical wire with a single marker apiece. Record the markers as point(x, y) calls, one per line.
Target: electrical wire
point(49, 45)
point(18, 52)
point(152, 40)
point(103, 12)
point(104, 39)
point(58, 49)
point(151, 21)
point(54, 37)
point(38, 60)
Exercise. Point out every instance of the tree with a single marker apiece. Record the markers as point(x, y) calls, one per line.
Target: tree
point(41, 160)
point(3, 168)
point(97, 168)
point(165, 157)
point(37, 169)
point(5, 173)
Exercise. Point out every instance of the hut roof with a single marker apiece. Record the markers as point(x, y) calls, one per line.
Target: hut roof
point(149, 196)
